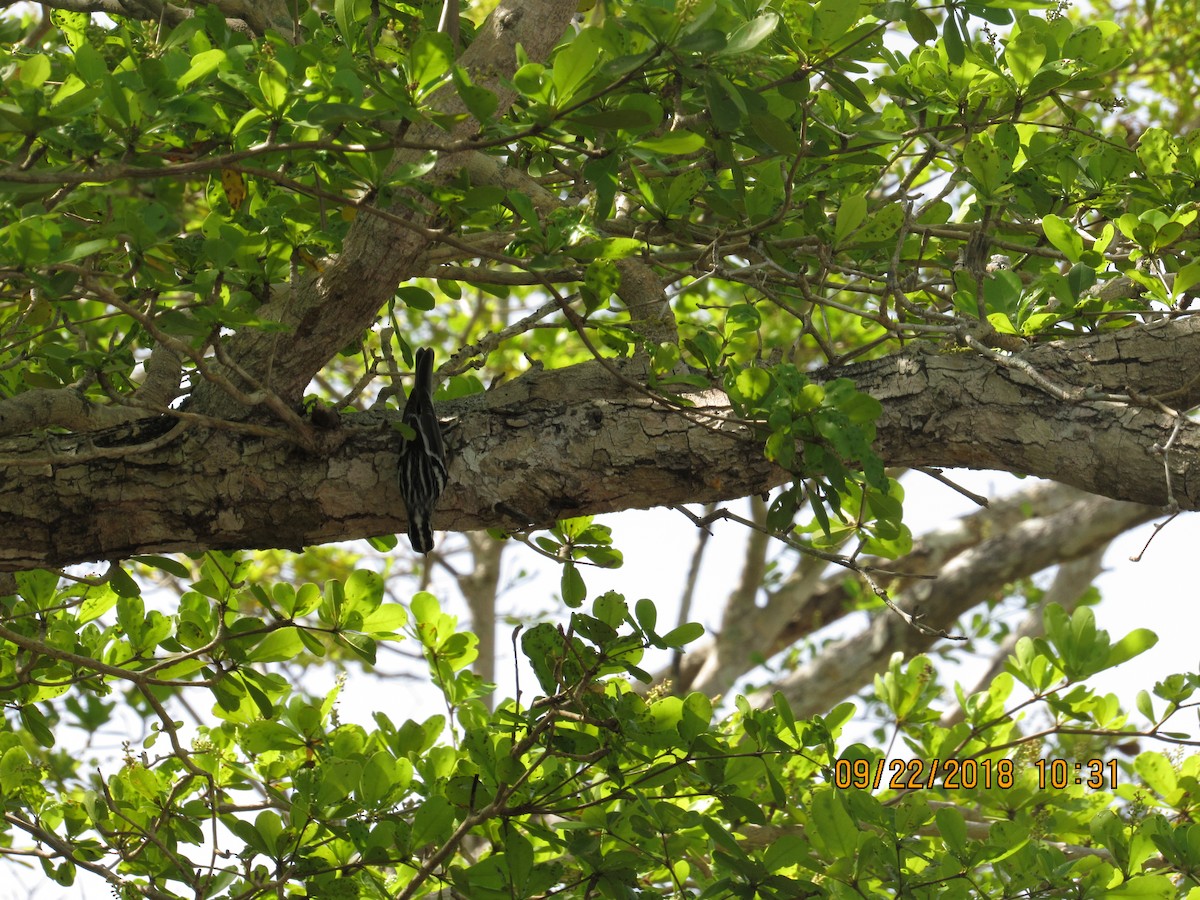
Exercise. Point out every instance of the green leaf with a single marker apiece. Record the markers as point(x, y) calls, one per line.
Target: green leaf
point(674, 143)
point(777, 134)
point(203, 63)
point(848, 89)
point(123, 584)
point(416, 298)
point(749, 35)
point(73, 25)
point(34, 70)
point(989, 166)
point(531, 81)
point(166, 564)
point(574, 591)
point(646, 614)
point(953, 830)
point(1186, 278)
point(480, 102)
point(381, 777)
point(272, 82)
point(364, 590)
point(384, 543)
point(308, 598)
point(609, 248)
point(882, 225)
point(920, 27)
point(833, 828)
point(90, 65)
point(38, 586)
point(16, 768)
point(430, 59)
point(278, 646)
point(1024, 55)
point(851, 214)
point(1002, 294)
point(833, 18)
point(575, 528)
point(361, 645)
point(1063, 236)
point(348, 14)
point(1145, 887)
point(33, 721)
point(543, 647)
point(680, 192)
point(753, 384)
point(1133, 644)
point(433, 822)
point(388, 619)
point(952, 40)
point(684, 634)
point(575, 62)
point(96, 603)
point(696, 716)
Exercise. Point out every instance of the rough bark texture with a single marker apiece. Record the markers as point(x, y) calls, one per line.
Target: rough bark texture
point(937, 402)
point(578, 441)
point(552, 444)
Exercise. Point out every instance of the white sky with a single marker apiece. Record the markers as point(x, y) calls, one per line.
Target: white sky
point(1158, 593)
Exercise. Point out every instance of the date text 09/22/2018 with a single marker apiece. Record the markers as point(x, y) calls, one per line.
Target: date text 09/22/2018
point(955, 774)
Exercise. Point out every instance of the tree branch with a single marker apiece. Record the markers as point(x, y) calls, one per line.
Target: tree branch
point(578, 441)
point(1021, 551)
point(814, 596)
point(322, 314)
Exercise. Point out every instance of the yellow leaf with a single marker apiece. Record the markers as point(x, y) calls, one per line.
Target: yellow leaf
point(235, 188)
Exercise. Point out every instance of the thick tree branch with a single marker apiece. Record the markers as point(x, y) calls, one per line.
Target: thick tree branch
point(958, 409)
point(323, 313)
point(578, 441)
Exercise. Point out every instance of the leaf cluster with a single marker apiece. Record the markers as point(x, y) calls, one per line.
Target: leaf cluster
point(585, 788)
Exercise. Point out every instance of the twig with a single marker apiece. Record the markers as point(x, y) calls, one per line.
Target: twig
point(936, 475)
point(865, 572)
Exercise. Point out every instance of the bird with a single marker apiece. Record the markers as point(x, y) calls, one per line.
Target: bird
point(422, 474)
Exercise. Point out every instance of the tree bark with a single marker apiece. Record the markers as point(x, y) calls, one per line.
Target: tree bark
point(957, 409)
point(579, 441)
point(319, 315)
point(848, 665)
point(973, 557)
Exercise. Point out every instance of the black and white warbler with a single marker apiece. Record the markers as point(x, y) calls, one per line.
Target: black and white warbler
point(422, 473)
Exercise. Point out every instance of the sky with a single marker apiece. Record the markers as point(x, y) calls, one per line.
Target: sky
point(1156, 593)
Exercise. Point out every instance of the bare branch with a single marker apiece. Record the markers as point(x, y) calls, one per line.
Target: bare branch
point(846, 666)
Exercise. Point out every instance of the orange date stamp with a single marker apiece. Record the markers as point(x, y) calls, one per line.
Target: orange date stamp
point(969, 774)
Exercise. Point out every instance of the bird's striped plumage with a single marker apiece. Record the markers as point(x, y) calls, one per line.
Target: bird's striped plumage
point(423, 459)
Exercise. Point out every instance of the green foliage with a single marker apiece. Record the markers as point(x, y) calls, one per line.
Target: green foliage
point(814, 181)
point(218, 165)
point(579, 541)
point(582, 787)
